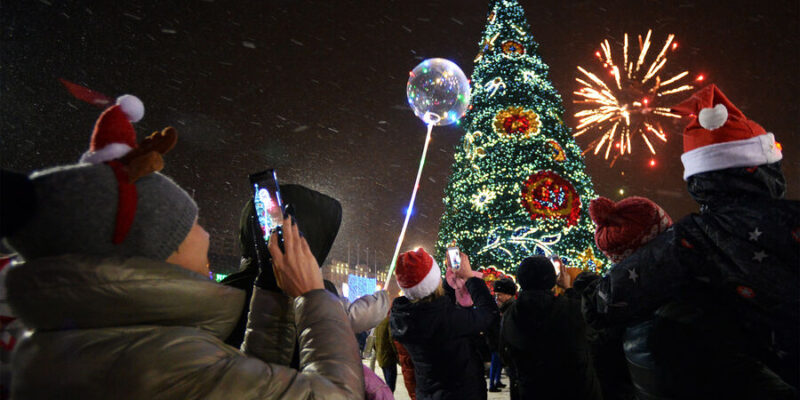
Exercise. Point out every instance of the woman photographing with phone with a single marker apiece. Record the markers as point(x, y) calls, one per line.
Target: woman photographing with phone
point(438, 333)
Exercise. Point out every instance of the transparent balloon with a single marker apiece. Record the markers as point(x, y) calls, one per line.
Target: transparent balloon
point(438, 91)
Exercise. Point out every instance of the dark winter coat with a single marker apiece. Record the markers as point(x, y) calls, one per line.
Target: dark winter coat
point(318, 217)
point(728, 279)
point(135, 328)
point(544, 340)
point(493, 333)
point(606, 350)
point(441, 338)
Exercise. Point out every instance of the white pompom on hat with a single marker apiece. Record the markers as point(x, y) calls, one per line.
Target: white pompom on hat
point(113, 134)
point(720, 136)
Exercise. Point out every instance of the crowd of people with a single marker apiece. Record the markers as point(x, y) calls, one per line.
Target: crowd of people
point(110, 283)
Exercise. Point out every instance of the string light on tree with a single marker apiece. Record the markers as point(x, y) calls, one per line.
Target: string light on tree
point(494, 86)
point(482, 198)
point(518, 182)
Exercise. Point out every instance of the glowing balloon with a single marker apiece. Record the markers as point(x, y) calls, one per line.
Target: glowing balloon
point(438, 91)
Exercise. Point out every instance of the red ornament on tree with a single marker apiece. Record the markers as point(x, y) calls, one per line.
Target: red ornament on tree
point(516, 121)
point(547, 195)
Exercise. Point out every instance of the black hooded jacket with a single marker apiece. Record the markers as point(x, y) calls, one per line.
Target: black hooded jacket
point(737, 261)
point(441, 337)
point(543, 340)
point(318, 217)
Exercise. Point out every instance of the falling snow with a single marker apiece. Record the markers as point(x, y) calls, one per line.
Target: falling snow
point(318, 92)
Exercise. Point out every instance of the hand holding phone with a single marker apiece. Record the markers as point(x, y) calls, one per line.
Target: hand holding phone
point(563, 278)
point(465, 270)
point(454, 256)
point(296, 269)
point(556, 264)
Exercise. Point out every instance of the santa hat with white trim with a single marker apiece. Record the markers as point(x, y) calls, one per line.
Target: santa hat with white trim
point(720, 136)
point(113, 134)
point(417, 274)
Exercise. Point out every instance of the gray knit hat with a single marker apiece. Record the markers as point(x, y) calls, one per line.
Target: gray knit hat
point(76, 212)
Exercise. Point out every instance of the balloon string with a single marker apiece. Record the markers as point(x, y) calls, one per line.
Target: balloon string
point(410, 206)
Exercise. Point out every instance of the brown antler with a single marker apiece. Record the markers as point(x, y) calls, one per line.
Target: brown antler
point(147, 158)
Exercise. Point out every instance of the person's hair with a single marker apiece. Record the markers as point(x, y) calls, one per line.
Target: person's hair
point(439, 292)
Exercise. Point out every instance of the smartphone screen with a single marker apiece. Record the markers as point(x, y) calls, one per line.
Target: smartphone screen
point(556, 264)
point(267, 201)
point(455, 257)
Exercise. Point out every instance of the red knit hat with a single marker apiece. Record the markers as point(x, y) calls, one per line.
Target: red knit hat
point(113, 135)
point(720, 136)
point(417, 274)
point(625, 226)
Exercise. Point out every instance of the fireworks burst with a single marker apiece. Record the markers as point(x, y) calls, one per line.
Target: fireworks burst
point(630, 103)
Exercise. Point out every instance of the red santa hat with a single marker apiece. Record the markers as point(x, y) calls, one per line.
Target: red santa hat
point(417, 274)
point(720, 136)
point(627, 225)
point(113, 134)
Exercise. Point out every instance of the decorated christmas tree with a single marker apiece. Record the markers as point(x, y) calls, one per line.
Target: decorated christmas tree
point(517, 186)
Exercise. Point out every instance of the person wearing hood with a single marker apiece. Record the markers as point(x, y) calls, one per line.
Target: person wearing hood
point(319, 217)
point(439, 334)
point(723, 283)
point(115, 288)
point(543, 339)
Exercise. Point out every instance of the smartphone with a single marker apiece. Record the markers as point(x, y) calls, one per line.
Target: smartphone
point(267, 202)
point(455, 257)
point(556, 264)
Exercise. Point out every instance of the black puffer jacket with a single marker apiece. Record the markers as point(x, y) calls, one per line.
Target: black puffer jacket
point(737, 261)
point(544, 341)
point(441, 337)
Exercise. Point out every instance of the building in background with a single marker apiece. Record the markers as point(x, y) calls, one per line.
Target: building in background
point(345, 276)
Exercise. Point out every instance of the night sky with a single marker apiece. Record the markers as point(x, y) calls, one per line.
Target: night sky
point(316, 89)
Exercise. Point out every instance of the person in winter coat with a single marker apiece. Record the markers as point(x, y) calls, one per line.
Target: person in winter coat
point(366, 312)
point(543, 338)
point(17, 206)
point(623, 227)
point(504, 291)
point(723, 283)
point(439, 334)
point(115, 286)
point(386, 353)
point(361, 313)
point(319, 217)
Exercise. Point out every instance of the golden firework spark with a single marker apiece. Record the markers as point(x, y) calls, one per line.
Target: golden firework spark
point(629, 103)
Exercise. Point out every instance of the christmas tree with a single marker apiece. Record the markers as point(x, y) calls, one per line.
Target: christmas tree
point(517, 186)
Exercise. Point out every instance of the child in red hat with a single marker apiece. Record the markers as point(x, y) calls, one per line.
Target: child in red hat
point(440, 335)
